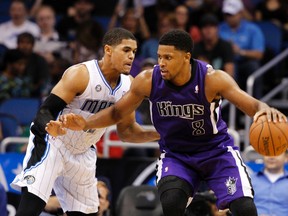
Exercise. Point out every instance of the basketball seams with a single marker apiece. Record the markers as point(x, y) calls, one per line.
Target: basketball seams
point(271, 136)
point(259, 137)
point(256, 125)
point(281, 131)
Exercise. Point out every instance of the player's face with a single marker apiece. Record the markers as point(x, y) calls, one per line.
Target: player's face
point(122, 55)
point(172, 62)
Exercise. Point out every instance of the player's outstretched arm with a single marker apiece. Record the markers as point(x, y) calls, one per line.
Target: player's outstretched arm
point(218, 83)
point(140, 88)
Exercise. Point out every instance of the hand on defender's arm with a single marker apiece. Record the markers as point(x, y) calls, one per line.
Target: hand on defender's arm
point(55, 128)
point(70, 121)
point(73, 121)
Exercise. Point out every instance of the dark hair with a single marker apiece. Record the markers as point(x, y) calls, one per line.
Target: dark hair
point(26, 36)
point(116, 35)
point(209, 20)
point(11, 56)
point(180, 39)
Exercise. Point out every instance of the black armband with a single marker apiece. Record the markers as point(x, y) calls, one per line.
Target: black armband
point(49, 110)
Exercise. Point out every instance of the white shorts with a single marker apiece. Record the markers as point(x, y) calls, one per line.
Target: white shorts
point(72, 176)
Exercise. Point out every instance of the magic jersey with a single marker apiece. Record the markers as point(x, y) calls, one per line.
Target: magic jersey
point(186, 121)
point(97, 96)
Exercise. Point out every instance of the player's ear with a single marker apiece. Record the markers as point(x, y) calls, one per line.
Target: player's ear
point(108, 49)
point(187, 57)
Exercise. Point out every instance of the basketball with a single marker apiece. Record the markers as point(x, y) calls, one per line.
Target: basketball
point(269, 138)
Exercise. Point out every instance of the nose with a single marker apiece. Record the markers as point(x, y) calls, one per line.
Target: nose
point(161, 62)
point(131, 55)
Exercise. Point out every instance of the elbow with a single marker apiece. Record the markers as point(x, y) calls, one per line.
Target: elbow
point(124, 137)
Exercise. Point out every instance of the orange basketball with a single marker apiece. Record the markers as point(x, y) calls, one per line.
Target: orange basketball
point(269, 138)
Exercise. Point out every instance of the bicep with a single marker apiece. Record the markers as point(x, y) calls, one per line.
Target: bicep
point(225, 86)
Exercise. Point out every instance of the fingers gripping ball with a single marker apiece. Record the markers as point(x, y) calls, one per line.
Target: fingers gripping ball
point(269, 138)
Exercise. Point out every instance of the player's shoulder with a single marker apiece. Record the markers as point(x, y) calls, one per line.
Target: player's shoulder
point(77, 74)
point(216, 77)
point(211, 72)
point(145, 74)
point(77, 69)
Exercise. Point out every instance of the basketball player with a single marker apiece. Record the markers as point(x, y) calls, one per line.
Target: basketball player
point(185, 96)
point(68, 163)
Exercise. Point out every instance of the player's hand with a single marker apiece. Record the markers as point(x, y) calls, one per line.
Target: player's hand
point(73, 121)
point(272, 114)
point(55, 128)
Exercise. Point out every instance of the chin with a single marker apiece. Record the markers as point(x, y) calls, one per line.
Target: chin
point(126, 72)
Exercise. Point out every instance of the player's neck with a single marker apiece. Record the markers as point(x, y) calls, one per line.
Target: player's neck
point(111, 76)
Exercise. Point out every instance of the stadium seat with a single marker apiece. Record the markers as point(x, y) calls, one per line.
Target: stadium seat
point(139, 200)
point(273, 36)
point(10, 125)
point(23, 109)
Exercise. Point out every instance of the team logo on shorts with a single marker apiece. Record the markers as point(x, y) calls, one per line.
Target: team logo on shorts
point(231, 185)
point(29, 179)
point(98, 88)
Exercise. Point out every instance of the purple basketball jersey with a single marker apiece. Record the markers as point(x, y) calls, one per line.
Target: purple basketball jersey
point(182, 115)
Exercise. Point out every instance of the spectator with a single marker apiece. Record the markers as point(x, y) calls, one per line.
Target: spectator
point(12, 82)
point(82, 13)
point(87, 46)
point(274, 11)
point(48, 42)
point(182, 22)
point(3, 201)
point(60, 6)
point(206, 7)
point(18, 24)
point(104, 201)
point(132, 19)
point(270, 185)
point(37, 69)
point(56, 70)
point(213, 49)
point(149, 48)
point(247, 41)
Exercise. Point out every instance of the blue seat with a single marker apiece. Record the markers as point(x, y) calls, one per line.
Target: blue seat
point(273, 36)
point(10, 125)
point(23, 109)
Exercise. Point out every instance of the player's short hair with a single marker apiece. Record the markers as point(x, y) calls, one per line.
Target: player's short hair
point(180, 39)
point(116, 35)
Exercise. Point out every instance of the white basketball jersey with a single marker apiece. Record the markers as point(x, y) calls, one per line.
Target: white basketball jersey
point(97, 96)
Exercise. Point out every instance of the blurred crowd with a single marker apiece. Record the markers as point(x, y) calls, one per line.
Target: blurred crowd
point(40, 39)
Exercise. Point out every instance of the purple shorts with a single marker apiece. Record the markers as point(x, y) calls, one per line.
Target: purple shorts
point(222, 169)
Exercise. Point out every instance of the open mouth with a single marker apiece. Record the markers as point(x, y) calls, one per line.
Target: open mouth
point(128, 65)
point(163, 72)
